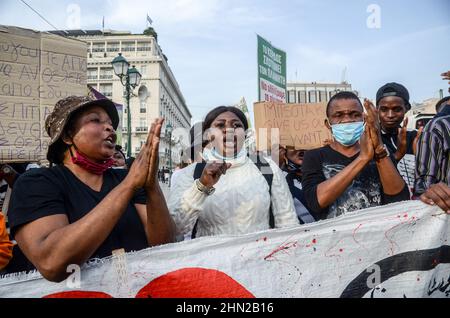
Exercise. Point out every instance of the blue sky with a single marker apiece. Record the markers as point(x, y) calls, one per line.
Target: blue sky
point(211, 44)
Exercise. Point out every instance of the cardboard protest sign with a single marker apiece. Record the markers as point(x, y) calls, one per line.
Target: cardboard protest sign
point(36, 70)
point(398, 250)
point(299, 125)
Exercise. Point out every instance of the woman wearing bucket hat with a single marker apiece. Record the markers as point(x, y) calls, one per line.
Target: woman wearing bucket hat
point(79, 209)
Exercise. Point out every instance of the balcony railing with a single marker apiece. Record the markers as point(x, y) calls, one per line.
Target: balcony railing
point(142, 129)
point(135, 129)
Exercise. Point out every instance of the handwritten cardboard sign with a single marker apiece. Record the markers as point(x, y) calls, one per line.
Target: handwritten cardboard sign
point(36, 70)
point(299, 125)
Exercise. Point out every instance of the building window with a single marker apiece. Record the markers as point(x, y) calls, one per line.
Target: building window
point(92, 74)
point(332, 93)
point(106, 89)
point(142, 125)
point(312, 96)
point(322, 96)
point(291, 97)
point(128, 47)
point(302, 97)
point(98, 47)
point(113, 47)
point(143, 108)
point(143, 95)
point(106, 73)
point(144, 47)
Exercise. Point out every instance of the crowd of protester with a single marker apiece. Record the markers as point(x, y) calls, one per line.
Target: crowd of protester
point(79, 208)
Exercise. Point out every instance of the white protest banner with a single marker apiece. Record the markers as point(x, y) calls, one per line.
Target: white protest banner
point(398, 250)
point(36, 70)
point(299, 125)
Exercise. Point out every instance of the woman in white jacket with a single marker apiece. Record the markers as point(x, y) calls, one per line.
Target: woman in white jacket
point(232, 196)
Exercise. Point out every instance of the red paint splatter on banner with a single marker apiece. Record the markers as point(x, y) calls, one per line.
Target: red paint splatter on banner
point(354, 236)
point(314, 241)
point(79, 294)
point(390, 233)
point(281, 248)
point(333, 250)
point(194, 283)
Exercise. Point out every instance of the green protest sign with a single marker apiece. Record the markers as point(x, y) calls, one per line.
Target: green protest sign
point(271, 72)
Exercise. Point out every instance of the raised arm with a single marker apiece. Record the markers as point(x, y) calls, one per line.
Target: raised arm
point(391, 180)
point(331, 189)
point(186, 200)
point(51, 243)
point(159, 225)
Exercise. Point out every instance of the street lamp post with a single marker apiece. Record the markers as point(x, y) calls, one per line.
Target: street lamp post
point(130, 78)
point(169, 134)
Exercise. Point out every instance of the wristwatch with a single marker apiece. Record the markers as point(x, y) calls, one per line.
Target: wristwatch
point(203, 188)
point(380, 154)
point(6, 169)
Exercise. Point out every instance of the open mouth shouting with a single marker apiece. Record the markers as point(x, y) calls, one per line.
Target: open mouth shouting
point(111, 141)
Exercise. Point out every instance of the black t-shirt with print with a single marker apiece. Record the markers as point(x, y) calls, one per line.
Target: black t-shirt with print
point(365, 191)
point(50, 191)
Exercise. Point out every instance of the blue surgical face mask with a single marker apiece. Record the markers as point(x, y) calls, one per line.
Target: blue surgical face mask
point(348, 134)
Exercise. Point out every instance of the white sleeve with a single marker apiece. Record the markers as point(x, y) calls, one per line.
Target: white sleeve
point(185, 200)
point(282, 203)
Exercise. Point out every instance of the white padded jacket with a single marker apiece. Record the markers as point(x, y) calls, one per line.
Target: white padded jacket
point(240, 204)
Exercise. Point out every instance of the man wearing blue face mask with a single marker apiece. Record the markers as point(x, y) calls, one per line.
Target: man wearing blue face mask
point(355, 171)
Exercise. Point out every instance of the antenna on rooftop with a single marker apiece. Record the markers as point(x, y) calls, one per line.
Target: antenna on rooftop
point(344, 76)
